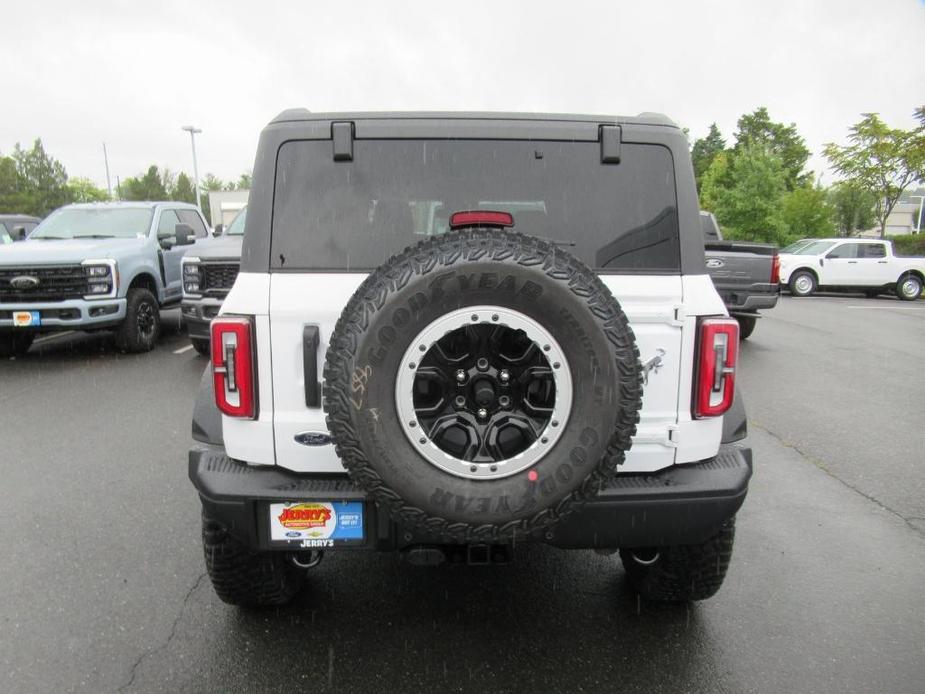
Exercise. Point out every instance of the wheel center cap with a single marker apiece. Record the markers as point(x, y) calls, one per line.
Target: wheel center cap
point(484, 392)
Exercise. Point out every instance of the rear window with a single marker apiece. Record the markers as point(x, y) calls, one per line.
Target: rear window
point(351, 216)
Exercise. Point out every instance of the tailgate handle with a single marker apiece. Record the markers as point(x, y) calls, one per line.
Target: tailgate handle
point(311, 337)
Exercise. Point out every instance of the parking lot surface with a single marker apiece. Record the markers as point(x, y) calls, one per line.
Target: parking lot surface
point(104, 586)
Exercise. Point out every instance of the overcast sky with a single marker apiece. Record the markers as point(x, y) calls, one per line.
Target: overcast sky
point(132, 73)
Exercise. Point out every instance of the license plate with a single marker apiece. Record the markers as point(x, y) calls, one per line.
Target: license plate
point(316, 523)
point(26, 319)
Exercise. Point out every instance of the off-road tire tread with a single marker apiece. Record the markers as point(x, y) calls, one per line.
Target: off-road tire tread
point(126, 333)
point(431, 256)
point(684, 572)
point(202, 345)
point(243, 577)
point(746, 326)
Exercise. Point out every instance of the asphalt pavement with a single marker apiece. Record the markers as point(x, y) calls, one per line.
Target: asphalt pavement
point(104, 586)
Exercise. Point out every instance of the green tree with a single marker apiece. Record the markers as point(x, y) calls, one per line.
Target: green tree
point(806, 212)
point(747, 198)
point(715, 179)
point(882, 160)
point(12, 198)
point(152, 185)
point(41, 181)
point(852, 206)
point(781, 140)
point(182, 189)
point(84, 190)
point(704, 152)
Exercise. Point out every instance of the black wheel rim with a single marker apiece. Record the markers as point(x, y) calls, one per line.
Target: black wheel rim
point(146, 320)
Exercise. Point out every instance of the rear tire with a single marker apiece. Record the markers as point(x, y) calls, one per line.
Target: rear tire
point(142, 325)
point(802, 283)
point(14, 344)
point(243, 577)
point(909, 288)
point(683, 572)
point(746, 326)
point(201, 345)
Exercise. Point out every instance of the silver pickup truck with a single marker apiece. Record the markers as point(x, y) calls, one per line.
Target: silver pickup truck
point(96, 266)
point(745, 274)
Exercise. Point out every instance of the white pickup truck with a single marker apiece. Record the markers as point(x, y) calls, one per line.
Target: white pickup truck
point(866, 265)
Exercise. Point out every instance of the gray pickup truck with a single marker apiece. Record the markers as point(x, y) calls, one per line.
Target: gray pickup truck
point(745, 274)
point(208, 275)
point(109, 266)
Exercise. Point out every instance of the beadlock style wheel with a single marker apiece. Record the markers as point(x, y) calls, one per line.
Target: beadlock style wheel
point(485, 392)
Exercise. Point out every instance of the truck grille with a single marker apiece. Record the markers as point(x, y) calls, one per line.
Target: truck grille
point(218, 278)
point(55, 283)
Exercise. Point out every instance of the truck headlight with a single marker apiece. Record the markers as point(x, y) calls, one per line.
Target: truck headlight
point(192, 276)
point(102, 278)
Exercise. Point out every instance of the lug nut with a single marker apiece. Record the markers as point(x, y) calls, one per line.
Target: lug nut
point(483, 413)
point(460, 401)
point(505, 376)
point(460, 376)
point(504, 401)
point(482, 364)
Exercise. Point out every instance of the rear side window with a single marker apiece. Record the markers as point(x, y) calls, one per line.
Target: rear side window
point(352, 215)
point(872, 250)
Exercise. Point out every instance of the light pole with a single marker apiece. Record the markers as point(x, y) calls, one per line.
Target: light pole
point(106, 159)
point(192, 136)
point(918, 225)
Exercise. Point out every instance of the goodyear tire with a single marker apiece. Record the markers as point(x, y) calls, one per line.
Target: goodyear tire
point(482, 384)
point(244, 577)
point(681, 573)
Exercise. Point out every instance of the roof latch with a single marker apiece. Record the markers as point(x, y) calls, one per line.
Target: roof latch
point(611, 136)
point(342, 135)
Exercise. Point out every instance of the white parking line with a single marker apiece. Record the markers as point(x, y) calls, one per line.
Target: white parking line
point(53, 336)
point(892, 308)
point(183, 349)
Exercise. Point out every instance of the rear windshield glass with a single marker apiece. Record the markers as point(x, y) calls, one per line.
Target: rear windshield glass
point(352, 215)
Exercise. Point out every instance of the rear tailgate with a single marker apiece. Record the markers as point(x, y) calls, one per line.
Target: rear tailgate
point(740, 269)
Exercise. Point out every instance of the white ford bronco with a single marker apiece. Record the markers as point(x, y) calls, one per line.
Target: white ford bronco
point(452, 333)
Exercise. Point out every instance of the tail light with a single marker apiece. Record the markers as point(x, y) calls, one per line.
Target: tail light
point(775, 270)
point(233, 366)
point(484, 218)
point(718, 353)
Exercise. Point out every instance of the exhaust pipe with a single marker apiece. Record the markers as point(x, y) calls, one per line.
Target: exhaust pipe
point(645, 556)
point(306, 560)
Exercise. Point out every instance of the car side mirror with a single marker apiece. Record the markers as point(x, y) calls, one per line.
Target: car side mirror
point(184, 235)
point(219, 230)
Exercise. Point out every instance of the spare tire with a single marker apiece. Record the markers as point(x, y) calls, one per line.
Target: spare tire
point(481, 384)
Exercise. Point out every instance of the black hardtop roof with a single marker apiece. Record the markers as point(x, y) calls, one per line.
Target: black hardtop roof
point(303, 114)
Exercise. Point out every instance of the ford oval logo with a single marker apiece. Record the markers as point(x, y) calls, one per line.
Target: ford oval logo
point(715, 263)
point(24, 282)
point(313, 438)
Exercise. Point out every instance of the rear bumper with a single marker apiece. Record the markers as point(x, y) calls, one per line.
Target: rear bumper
point(684, 504)
point(748, 300)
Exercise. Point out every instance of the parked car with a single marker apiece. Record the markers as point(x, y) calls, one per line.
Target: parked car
point(208, 276)
point(745, 274)
point(96, 266)
point(868, 265)
point(16, 227)
point(397, 369)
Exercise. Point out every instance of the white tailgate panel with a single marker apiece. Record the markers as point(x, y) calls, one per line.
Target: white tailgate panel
point(297, 300)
